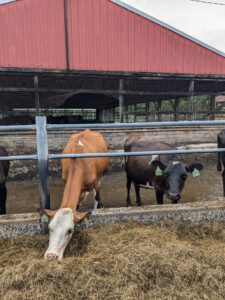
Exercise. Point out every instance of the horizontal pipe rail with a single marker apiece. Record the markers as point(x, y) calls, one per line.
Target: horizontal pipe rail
point(17, 127)
point(19, 157)
point(114, 154)
point(142, 153)
point(141, 124)
point(113, 125)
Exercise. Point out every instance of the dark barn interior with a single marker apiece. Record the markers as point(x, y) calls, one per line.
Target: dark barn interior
point(106, 97)
point(102, 61)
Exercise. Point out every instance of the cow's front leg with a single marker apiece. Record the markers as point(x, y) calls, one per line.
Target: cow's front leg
point(3, 195)
point(159, 197)
point(97, 197)
point(223, 176)
point(99, 200)
point(138, 197)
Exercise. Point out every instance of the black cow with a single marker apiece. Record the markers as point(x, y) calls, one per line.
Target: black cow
point(4, 170)
point(166, 173)
point(221, 156)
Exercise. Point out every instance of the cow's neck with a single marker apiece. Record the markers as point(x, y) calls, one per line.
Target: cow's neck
point(73, 186)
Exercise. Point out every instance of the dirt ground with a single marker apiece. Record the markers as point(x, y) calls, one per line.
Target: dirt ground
point(119, 261)
point(23, 196)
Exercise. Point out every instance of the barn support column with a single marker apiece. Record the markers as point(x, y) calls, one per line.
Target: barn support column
point(37, 98)
point(176, 108)
point(212, 107)
point(121, 101)
point(97, 115)
point(159, 105)
point(147, 111)
point(191, 98)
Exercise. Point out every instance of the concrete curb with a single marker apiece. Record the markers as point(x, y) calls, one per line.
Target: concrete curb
point(12, 226)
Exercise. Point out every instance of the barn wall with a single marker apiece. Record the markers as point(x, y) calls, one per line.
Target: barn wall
point(18, 144)
point(32, 34)
point(107, 37)
point(103, 36)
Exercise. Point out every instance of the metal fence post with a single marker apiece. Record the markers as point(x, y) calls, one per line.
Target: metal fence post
point(42, 153)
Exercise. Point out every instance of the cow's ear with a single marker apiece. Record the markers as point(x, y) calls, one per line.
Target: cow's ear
point(47, 212)
point(194, 166)
point(157, 164)
point(79, 216)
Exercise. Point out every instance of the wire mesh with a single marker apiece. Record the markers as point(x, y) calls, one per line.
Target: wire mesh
point(82, 98)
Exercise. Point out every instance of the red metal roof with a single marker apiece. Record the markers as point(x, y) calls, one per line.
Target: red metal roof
point(102, 36)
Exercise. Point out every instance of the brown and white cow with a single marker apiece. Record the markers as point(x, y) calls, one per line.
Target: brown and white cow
point(81, 176)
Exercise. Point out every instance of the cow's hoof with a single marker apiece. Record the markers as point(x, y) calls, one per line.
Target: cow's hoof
point(100, 205)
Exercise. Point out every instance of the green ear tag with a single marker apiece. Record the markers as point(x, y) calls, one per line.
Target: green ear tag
point(44, 219)
point(158, 171)
point(195, 173)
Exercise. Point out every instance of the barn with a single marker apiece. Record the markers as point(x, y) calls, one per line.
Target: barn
point(81, 61)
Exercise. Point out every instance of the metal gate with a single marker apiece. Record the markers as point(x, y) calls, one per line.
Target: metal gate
point(42, 155)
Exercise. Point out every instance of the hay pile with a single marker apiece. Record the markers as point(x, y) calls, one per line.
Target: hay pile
point(126, 261)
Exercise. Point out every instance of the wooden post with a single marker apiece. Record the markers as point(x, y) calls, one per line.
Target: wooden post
point(212, 107)
point(42, 153)
point(190, 101)
point(159, 104)
point(121, 101)
point(176, 109)
point(135, 113)
point(97, 115)
point(147, 111)
point(37, 99)
point(114, 117)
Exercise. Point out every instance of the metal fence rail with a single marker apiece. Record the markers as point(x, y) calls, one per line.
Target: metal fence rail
point(42, 155)
point(141, 124)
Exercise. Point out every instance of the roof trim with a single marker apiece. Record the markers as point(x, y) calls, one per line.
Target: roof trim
point(157, 21)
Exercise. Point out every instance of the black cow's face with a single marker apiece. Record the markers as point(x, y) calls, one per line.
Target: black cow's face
point(174, 177)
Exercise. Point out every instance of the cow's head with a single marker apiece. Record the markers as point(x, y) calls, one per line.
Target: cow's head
point(174, 176)
point(61, 230)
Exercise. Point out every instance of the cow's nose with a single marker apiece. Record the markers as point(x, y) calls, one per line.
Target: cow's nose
point(174, 197)
point(51, 256)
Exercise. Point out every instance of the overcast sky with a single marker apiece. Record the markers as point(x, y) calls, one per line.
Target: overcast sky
point(205, 22)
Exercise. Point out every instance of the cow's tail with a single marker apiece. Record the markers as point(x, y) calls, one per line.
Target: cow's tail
point(219, 165)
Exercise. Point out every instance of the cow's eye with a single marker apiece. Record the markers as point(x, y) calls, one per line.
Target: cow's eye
point(165, 175)
point(69, 231)
point(184, 176)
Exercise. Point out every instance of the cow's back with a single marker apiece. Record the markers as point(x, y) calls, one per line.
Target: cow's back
point(138, 167)
point(86, 142)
